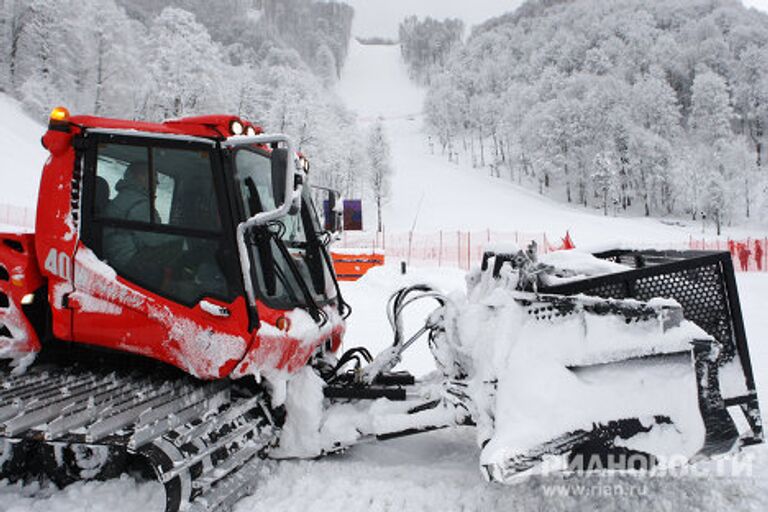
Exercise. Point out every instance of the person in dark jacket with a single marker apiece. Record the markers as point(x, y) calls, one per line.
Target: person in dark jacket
point(133, 251)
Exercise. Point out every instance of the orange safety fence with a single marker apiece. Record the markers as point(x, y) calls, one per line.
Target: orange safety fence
point(359, 251)
point(461, 249)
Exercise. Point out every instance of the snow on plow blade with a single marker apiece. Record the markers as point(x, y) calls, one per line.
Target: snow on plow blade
point(646, 365)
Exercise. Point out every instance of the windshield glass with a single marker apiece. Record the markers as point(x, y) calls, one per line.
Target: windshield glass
point(288, 246)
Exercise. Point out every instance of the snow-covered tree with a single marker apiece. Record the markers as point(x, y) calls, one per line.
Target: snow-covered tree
point(751, 95)
point(426, 44)
point(606, 179)
point(183, 74)
point(152, 59)
point(555, 87)
point(380, 170)
point(711, 112)
point(45, 59)
point(14, 16)
point(325, 64)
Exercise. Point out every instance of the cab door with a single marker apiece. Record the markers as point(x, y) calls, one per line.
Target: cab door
point(156, 271)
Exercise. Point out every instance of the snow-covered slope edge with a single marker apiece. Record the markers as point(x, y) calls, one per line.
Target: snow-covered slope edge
point(21, 155)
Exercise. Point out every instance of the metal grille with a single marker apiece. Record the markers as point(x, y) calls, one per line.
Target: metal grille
point(701, 293)
point(697, 284)
point(610, 291)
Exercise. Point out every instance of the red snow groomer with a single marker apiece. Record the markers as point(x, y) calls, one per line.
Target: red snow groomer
point(176, 312)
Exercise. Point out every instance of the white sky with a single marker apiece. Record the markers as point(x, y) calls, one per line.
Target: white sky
point(759, 4)
point(382, 17)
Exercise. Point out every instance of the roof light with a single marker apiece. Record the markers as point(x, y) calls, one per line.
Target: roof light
point(250, 131)
point(60, 115)
point(236, 127)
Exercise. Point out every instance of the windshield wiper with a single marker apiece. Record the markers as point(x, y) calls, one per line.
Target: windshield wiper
point(314, 309)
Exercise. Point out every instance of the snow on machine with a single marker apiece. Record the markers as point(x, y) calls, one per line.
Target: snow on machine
point(176, 313)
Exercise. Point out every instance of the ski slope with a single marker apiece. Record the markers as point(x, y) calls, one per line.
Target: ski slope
point(432, 194)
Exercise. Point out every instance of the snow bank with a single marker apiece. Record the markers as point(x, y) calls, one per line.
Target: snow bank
point(122, 495)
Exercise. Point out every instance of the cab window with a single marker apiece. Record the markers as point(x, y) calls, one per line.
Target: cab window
point(155, 220)
point(276, 279)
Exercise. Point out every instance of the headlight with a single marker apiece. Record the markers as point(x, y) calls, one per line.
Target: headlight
point(236, 127)
point(250, 131)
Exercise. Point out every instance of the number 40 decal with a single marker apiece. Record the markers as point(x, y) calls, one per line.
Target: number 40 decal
point(59, 264)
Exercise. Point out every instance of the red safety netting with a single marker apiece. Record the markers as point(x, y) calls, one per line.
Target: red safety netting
point(463, 249)
point(460, 249)
point(749, 255)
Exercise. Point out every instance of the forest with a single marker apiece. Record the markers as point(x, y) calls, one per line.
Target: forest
point(426, 44)
point(656, 107)
point(273, 62)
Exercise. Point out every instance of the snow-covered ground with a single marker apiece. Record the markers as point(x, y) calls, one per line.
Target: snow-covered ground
point(439, 471)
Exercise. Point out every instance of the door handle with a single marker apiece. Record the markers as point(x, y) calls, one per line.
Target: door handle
point(214, 309)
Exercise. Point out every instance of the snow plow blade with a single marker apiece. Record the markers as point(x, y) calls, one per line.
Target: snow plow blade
point(659, 374)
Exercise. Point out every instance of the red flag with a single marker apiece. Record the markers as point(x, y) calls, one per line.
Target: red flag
point(567, 242)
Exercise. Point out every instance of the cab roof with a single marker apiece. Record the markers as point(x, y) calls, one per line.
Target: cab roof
point(218, 127)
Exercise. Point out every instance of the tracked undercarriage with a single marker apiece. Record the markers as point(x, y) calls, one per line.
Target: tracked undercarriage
point(203, 441)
